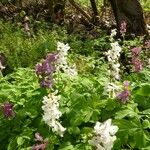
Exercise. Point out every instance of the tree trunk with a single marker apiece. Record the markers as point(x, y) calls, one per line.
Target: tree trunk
point(131, 12)
point(56, 10)
point(95, 11)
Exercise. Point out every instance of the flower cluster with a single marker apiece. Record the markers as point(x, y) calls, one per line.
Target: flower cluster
point(62, 63)
point(136, 61)
point(45, 70)
point(7, 109)
point(123, 28)
point(113, 56)
point(125, 94)
point(104, 135)
point(41, 145)
point(52, 113)
point(54, 63)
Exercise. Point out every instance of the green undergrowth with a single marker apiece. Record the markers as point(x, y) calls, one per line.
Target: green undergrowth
point(23, 51)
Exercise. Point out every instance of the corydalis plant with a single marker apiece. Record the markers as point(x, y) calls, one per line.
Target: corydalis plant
point(104, 135)
point(55, 63)
point(113, 56)
point(52, 114)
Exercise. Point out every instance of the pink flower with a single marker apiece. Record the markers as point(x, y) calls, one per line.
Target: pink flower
point(124, 96)
point(147, 43)
point(137, 64)
point(136, 61)
point(7, 109)
point(126, 83)
point(39, 146)
point(123, 28)
point(136, 51)
point(38, 137)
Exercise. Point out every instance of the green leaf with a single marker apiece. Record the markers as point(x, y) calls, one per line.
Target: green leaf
point(146, 112)
point(123, 113)
point(20, 141)
point(146, 124)
point(67, 146)
point(139, 139)
point(74, 130)
point(88, 115)
point(12, 144)
point(144, 90)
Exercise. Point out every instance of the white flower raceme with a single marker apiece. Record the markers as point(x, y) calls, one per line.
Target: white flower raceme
point(62, 63)
point(104, 135)
point(114, 53)
point(113, 56)
point(52, 113)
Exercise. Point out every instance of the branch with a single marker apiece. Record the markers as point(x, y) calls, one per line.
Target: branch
point(73, 3)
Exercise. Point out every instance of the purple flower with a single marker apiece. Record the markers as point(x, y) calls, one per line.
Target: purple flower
point(126, 84)
point(51, 57)
point(46, 83)
point(136, 51)
point(7, 109)
point(45, 70)
point(38, 137)
point(41, 143)
point(47, 67)
point(136, 61)
point(124, 96)
point(38, 69)
point(39, 146)
point(137, 64)
point(123, 27)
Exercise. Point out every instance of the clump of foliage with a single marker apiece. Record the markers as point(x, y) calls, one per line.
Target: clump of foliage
point(73, 92)
point(80, 100)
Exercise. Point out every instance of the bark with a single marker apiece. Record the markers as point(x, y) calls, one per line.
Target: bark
point(94, 7)
point(56, 10)
point(95, 11)
point(131, 12)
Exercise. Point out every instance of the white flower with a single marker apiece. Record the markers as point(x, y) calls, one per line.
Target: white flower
point(111, 89)
point(148, 62)
point(52, 113)
point(113, 57)
point(63, 47)
point(104, 135)
point(62, 61)
point(113, 32)
point(1, 66)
